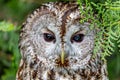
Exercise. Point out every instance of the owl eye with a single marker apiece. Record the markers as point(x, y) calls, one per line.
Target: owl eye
point(49, 37)
point(77, 38)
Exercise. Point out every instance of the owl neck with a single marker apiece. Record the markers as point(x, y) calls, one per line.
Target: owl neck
point(38, 70)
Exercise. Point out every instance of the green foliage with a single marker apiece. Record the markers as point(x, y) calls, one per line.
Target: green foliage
point(105, 18)
point(15, 10)
point(110, 27)
point(6, 26)
point(8, 45)
point(11, 11)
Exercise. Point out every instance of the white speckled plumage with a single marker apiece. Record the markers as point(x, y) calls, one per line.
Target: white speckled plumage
point(41, 59)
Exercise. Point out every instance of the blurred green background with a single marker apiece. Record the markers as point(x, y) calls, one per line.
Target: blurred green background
point(14, 12)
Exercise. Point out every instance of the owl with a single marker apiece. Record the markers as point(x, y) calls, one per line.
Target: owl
point(54, 45)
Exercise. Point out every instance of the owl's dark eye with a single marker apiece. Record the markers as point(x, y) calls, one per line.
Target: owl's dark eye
point(77, 38)
point(49, 37)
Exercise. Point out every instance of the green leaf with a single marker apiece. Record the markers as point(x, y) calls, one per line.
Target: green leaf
point(6, 26)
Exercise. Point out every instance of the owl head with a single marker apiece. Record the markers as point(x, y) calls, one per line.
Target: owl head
point(54, 36)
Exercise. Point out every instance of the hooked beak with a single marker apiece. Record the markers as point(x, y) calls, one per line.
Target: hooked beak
point(63, 56)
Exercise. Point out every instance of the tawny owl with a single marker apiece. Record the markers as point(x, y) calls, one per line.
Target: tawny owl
point(55, 46)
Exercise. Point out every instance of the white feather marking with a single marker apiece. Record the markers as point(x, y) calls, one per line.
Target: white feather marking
point(45, 75)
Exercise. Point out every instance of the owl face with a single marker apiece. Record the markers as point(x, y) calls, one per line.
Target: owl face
point(54, 34)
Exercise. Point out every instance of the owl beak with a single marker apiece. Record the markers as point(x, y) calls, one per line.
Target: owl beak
point(62, 56)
